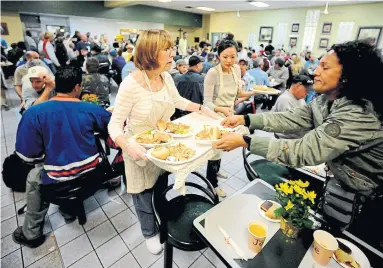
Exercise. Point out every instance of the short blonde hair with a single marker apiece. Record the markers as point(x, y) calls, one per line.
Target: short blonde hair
point(149, 44)
point(48, 35)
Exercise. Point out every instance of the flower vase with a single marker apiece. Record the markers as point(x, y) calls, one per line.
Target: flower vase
point(288, 229)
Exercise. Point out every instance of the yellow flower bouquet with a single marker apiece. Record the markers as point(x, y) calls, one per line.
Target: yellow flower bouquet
point(92, 98)
point(295, 200)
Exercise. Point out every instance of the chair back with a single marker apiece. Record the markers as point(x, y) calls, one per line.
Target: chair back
point(250, 172)
point(161, 204)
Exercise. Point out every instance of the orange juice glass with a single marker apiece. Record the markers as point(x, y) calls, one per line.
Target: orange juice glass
point(257, 232)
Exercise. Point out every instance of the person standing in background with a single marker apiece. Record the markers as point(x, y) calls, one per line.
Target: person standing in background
point(183, 45)
point(269, 48)
point(29, 40)
point(49, 51)
point(69, 46)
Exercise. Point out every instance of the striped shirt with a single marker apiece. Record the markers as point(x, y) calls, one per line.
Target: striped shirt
point(134, 103)
point(61, 133)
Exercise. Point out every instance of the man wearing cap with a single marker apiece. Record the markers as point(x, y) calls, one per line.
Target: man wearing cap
point(291, 99)
point(21, 80)
point(190, 84)
point(41, 87)
point(181, 68)
point(207, 65)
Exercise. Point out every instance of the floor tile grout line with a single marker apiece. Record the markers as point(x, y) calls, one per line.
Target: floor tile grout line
point(92, 247)
point(83, 258)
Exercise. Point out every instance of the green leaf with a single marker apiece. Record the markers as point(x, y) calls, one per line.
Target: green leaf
point(278, 212)
point(307, 223)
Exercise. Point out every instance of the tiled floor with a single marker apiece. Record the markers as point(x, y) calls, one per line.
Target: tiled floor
point(110, 238)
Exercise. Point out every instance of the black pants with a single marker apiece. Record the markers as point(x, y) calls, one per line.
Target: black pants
point(212, 170)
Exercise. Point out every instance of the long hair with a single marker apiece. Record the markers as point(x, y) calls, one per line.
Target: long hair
point(362, 67)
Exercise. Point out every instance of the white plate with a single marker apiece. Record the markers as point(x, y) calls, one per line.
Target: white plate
point(149, 155)
point(356, 253)
point(209, 142)
point(146, 145)
point(263, 214)
point(259, 91)
point(181, 135)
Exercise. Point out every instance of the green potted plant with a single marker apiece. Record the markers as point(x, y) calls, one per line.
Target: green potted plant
point(295, 200)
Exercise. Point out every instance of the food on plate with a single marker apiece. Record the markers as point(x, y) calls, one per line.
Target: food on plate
point(266, 205)
point(161, 153)
point(161, 125)
point(174, 128)
point(153, 137)
point(176, 153)
point(346, 259)
point(210, 133)
point(270, 212)
point(264, 88)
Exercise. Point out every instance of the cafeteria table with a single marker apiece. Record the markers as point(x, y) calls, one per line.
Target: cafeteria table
point(278, 251)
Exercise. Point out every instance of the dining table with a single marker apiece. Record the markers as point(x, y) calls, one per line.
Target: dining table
point(234, 214)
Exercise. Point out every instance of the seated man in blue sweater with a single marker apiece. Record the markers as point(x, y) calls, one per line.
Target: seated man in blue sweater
point(59, 132)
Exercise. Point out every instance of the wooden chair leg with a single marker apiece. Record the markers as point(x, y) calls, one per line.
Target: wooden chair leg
point(168, 255)
point(81, 213)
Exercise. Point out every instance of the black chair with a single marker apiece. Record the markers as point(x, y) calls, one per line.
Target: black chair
point(175, 217)
point(264, 169)
point(70, 195)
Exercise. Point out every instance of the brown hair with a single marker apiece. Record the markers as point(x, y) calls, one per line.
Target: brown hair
point(149, 44)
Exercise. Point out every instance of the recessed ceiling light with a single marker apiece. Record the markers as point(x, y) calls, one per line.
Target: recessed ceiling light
point(205, 8)
point(164, 1)
point(259, 4)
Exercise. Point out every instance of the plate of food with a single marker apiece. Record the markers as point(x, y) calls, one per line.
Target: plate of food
point(350, 256)
point(266, 208)
point(177, 130)
point(151, 138)
point(210, 134)
point(266, 90)
point(172, 154)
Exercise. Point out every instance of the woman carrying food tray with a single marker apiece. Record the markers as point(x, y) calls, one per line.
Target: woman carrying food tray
point(222, 87)
point(146, 96)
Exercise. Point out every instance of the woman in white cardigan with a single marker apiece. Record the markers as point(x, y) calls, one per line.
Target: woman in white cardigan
point(146, 96)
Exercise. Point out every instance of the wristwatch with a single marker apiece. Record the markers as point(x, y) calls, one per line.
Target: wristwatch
point(247, 120)
point(247, 139)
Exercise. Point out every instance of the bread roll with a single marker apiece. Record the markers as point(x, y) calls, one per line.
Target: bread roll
point(161, 125)
point(270, 212)
point(162, 137)
point(161, 153)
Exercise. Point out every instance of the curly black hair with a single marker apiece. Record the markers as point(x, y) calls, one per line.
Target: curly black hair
point(361, 64)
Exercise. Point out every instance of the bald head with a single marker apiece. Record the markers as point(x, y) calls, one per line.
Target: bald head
point(31, 55)
point(84, 37)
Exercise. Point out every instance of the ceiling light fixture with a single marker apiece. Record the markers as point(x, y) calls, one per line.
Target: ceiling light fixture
point(205, 8)
point(259, 4)
point(164, 1)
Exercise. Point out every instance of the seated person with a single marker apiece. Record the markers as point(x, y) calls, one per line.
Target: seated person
point(311, 64)
point(279, 73)
point(21, 79)
point(60, 132)
point(209, 63)
point(291, 99)
point(258, 74)
point(41, 87)
point(95, 83)
point(181, 68)
point(247, 82)
point(128, 68)
point(118, 63)
point(104, 63)
point(190, 84)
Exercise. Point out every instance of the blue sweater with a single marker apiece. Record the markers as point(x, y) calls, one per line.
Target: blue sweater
point(62, 134)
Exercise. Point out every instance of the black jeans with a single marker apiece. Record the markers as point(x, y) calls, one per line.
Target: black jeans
point(212, 170)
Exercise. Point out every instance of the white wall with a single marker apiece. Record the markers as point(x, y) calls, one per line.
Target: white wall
point(53, 20)
point(109, 27)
